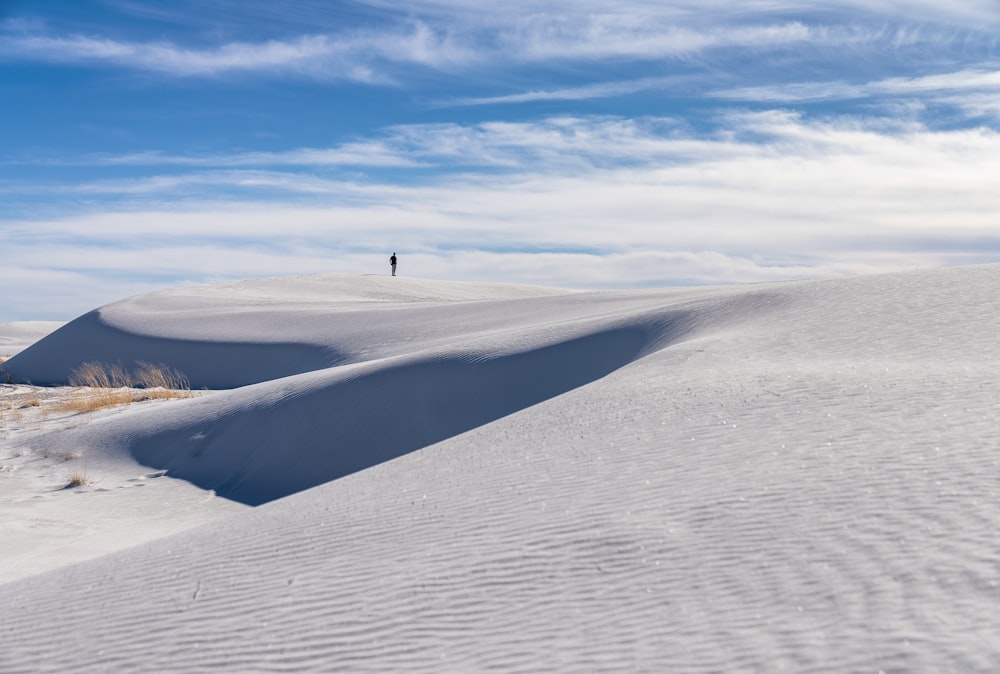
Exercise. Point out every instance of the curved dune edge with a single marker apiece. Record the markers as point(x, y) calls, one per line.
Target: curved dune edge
point(334, 423)
point(214, 363)
point(229, 335)
point(310, 421)
point(18, 335)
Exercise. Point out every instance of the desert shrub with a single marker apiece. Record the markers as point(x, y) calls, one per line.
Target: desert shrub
point(90, 402)
point(59, 455)
point(77, 480)
point(15, 413)
point(100, 375)
point(109, 385)
point(161, 381)
point(32, 402)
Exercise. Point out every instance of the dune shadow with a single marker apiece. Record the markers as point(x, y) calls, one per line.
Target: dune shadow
point(353, 420)
point(206, 364)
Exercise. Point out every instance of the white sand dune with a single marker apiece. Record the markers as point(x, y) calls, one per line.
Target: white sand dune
point(230, 335)
point(458, 477)
point(18, 335)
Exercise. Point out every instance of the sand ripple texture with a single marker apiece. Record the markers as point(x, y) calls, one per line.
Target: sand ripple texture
point(815, 491)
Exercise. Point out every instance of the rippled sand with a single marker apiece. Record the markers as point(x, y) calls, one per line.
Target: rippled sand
point(787, 477)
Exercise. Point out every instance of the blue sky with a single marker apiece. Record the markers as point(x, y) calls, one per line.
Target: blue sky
point(581, 144)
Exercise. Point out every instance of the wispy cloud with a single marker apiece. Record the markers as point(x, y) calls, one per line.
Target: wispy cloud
point(565, 141)
point(196, 184)
point(698, 183)
point(568, 144)
point(974, 91)
point(565, 148)
point(584, 92)
point(971, 79)
point(471, 38)
point(367, 154)
point(351, 57)
point(772, 195)
point(968, 13)
point(977, 82)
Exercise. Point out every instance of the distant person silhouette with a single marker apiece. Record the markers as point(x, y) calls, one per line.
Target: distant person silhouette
point(392, 263)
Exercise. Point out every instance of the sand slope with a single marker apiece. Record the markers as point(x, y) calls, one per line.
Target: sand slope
point(797, 477)
point(18, 335)
point(230, 335)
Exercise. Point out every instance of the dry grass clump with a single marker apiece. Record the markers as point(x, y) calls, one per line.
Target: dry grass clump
point(15, 413)
point(161, 381)
point(109, 385)
point(78, 480)
point(59, 455)
point(34, 401)
point(100, 375)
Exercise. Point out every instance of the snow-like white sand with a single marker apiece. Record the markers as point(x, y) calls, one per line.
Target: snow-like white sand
point(460, 477)
point(18, 335)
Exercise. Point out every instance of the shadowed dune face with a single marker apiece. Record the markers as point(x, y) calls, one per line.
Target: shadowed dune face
point(346, 421)
point(206, 364)
point(315, 394)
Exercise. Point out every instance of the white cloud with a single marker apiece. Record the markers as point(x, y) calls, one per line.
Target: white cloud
point(353, 56)
point(459, 36)
point(964, 80)
point(979, 85)
point(584, 92)
point(556, 148)
point(970, 13)
point(568, 200)
point(351, 154)
point(776, 196)
point(976, 90)
point(769, 155)
point(572, 142)
point(977, 14)
point(248, 180)
point(628, 36)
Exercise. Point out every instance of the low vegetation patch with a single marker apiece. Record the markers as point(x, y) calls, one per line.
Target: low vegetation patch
point(32, 402)
point(160, 381)
point(59, 455)
point(78, 480)
point(108, 385)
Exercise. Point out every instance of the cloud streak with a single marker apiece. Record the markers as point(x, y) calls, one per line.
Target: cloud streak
point(581, 202)
point(562, 146)
point(470, 38)
point(977, 80)
point(349, 57)
point(585, 92)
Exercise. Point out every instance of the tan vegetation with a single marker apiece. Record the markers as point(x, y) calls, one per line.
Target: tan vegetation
point(59, 455)
point(15, 413)
point(77, 480)
point(107, 385)
point(160, 381)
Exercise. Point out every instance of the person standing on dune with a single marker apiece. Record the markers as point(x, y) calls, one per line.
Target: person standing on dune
point(392, 263)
